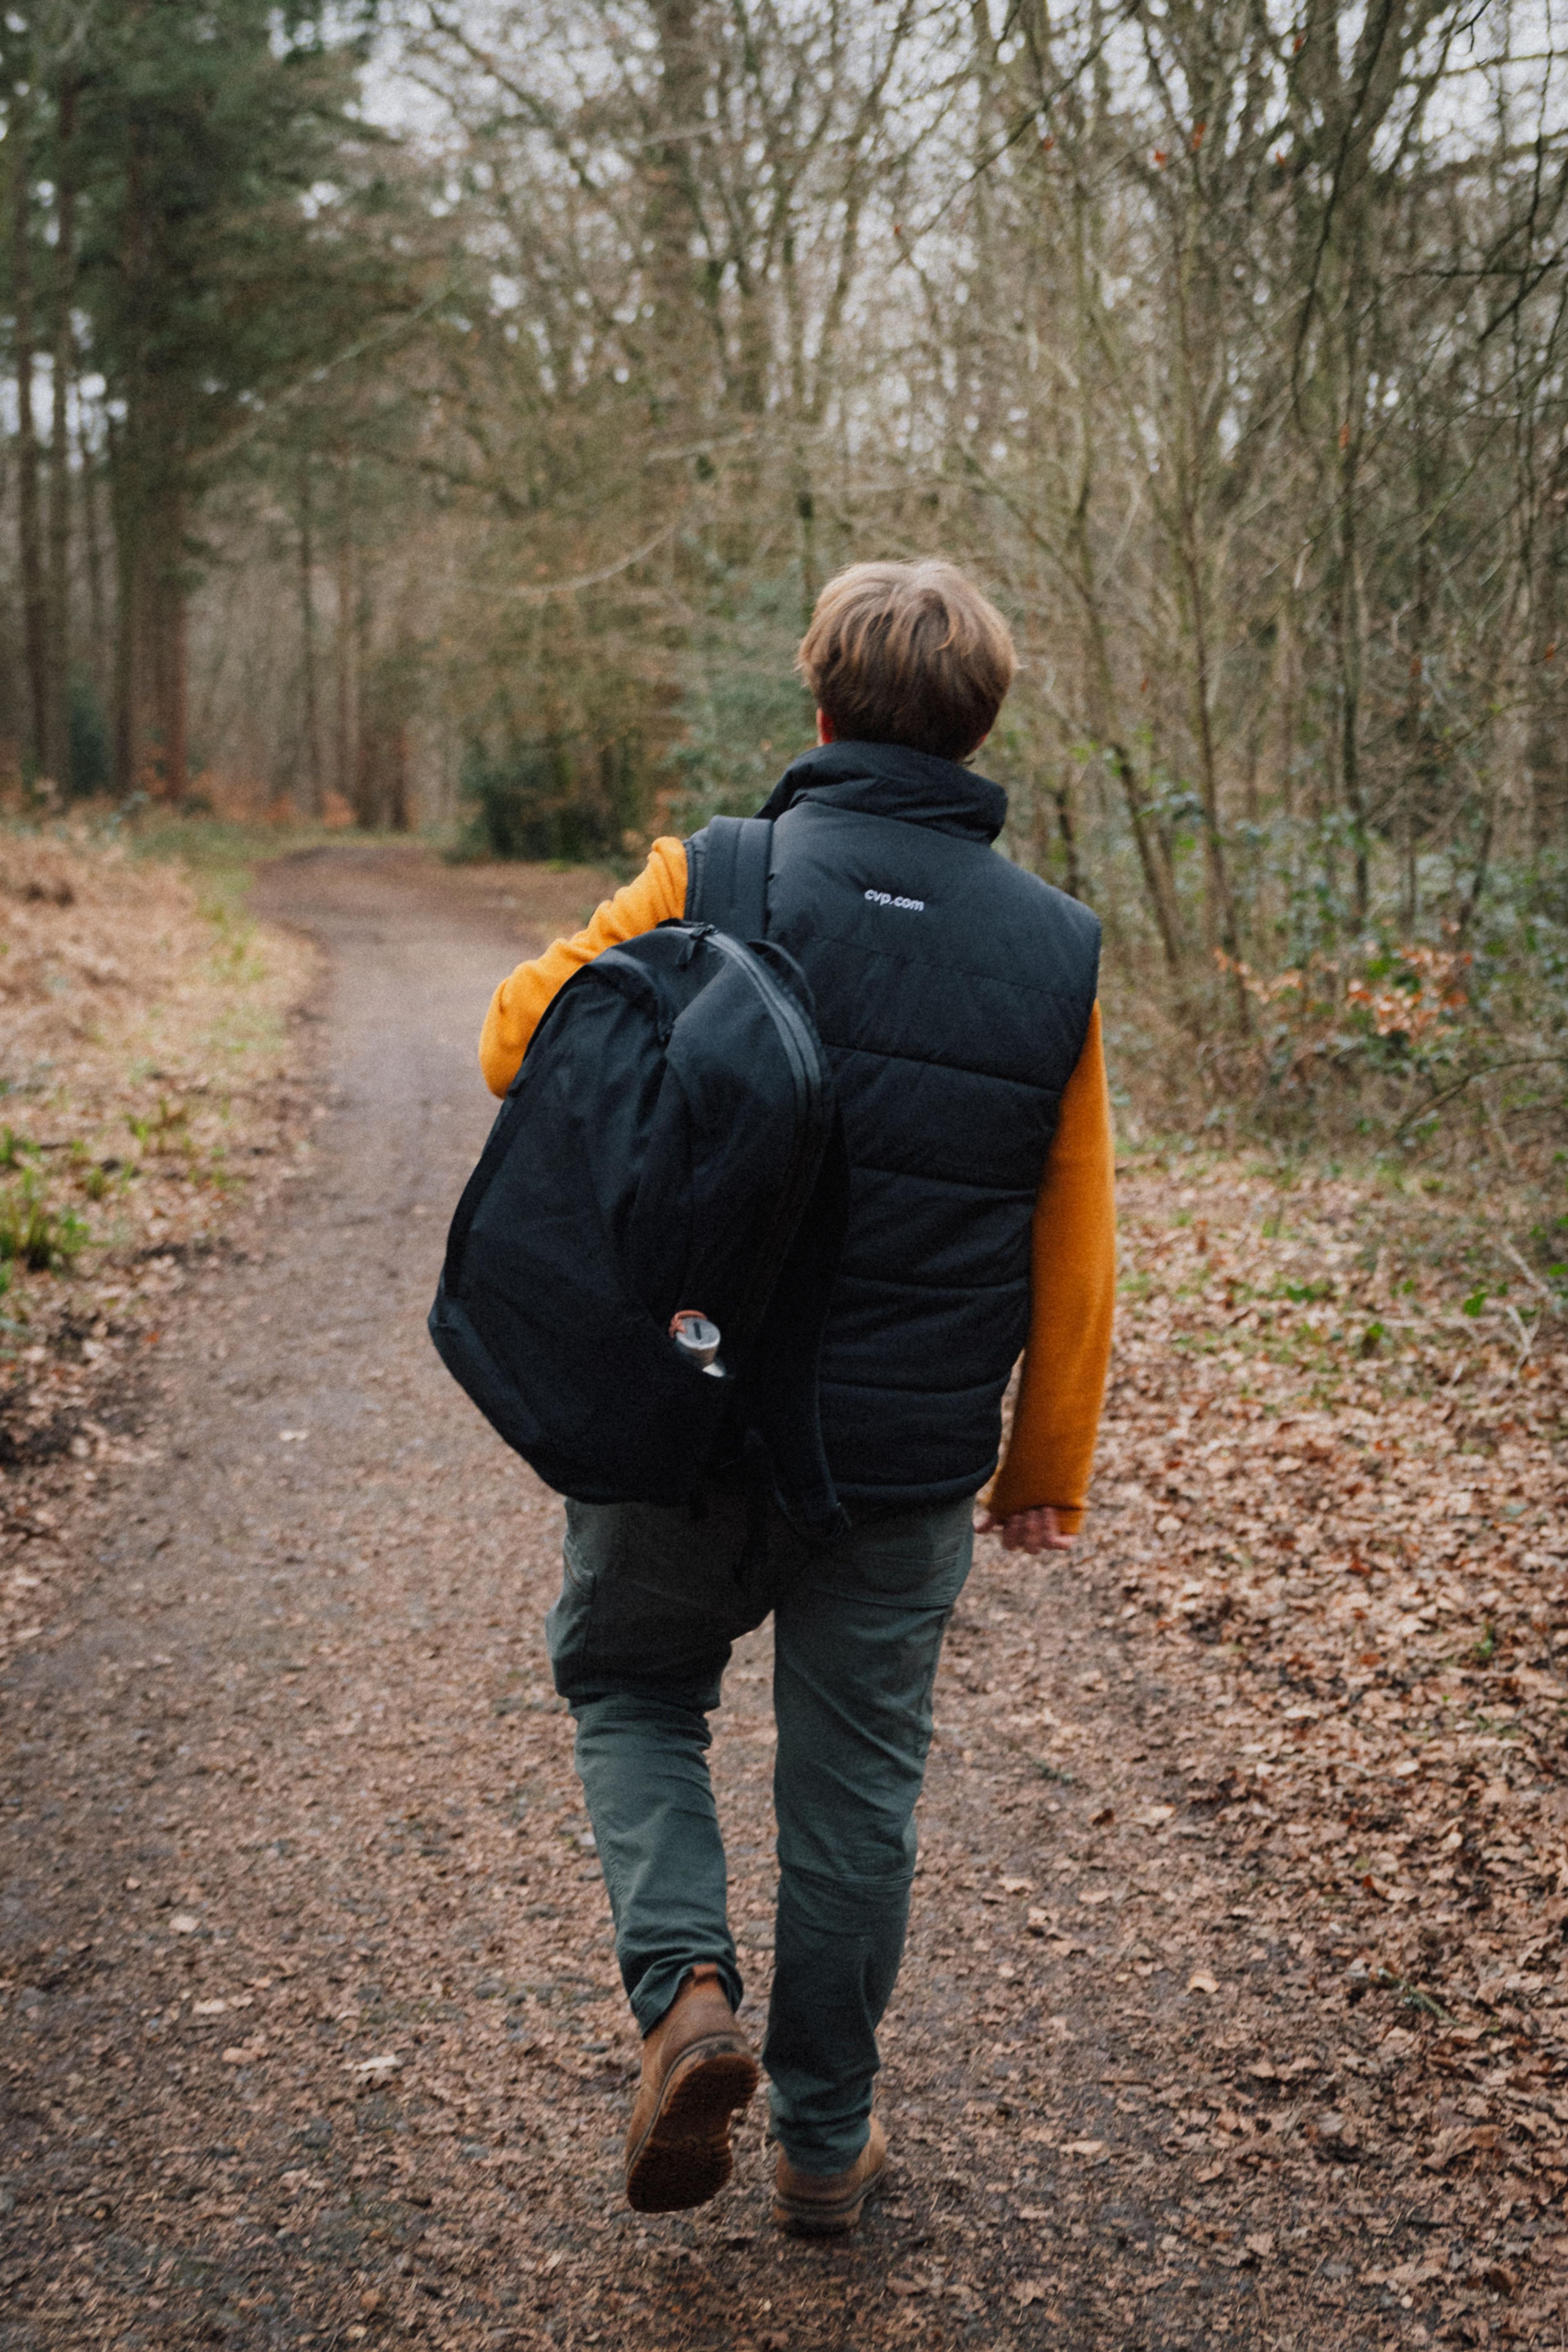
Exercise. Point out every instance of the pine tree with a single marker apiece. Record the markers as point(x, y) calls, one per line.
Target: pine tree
point(218, 271)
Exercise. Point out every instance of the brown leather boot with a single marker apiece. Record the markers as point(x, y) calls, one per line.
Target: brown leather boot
point(826, 2204)
point(697, 2069)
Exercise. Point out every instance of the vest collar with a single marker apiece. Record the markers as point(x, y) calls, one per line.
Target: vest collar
point(891, 780)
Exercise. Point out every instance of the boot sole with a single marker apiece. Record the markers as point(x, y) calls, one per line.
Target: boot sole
point(684, 2156)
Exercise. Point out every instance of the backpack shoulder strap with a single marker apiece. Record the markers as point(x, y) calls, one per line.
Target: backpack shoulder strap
point(785, 1398)
point(727, 868)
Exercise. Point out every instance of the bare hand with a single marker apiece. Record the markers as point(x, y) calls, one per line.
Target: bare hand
point(1032, 1531)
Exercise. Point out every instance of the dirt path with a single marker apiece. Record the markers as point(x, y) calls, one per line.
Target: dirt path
point(313, 2034)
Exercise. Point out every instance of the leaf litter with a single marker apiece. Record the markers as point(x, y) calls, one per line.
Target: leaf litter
point(145, 1090)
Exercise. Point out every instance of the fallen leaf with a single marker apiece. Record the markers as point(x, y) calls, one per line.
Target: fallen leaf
point(1084, 2148)
point(1201, 1981)
point(1029, 2291)
point(376, 2069)
point(1446, 2146)
point(184, 1922)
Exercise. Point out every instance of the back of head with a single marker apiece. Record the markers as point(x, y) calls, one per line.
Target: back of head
point(907, 653)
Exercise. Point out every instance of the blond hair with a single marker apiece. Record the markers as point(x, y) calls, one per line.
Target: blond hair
point(907, 653)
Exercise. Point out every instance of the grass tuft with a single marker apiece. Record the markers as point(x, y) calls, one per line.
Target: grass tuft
point(43, 1239)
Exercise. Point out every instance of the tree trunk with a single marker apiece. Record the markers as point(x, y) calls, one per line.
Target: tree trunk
point(93, 545)
point(137, 669)
point(58, 649)
point(35, 612)
point(346, 759)
point(1546, 742)
point(1219, 903)
point(1348, 660)
point(1195, 454)
point(1065, 800)
point(13, 724)
point(131, 506)
point(672, 217)
point(175, 700)
point(308, 662)
point(158, 659)
point(1153, 856)
point(400, 809)
point(130, 582)
point(152, 651)
point(369, 796)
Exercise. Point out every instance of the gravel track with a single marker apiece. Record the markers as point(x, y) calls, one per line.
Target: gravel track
point(313, 2034)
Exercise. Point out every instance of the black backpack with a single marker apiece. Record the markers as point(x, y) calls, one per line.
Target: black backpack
point(665, 1183)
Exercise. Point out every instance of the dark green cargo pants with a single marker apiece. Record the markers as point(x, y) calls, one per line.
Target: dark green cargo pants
point(639, 1638)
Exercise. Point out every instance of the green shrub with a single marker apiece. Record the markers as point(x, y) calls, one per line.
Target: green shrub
point(572, 802)
point(37, 1236)
point(744, 713)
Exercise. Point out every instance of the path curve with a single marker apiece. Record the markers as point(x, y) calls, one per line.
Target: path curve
point(318, 2036)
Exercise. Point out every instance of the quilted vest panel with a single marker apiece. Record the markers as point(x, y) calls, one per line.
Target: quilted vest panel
point(953, 992)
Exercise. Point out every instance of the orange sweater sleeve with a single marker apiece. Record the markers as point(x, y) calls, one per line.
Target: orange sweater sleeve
point(1073, 1283)
point(657, 896)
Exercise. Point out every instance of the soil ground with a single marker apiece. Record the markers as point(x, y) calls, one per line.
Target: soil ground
point(312, 2033)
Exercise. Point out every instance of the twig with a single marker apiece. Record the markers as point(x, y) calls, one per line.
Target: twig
point(1527, 1332)
point(1487, 1069)
point(541, 595)
point(401, 325)
point(1531, 1276)
point(1497, 1127)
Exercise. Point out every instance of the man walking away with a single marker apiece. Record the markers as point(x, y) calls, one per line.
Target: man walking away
point(956, 997)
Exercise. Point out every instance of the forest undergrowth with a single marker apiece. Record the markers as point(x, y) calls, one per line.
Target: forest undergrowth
point(147, 1033)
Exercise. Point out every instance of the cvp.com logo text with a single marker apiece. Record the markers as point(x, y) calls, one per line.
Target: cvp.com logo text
point(885, 898)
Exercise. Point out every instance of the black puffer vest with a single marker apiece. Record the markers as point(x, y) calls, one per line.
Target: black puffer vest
point(953, 992)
